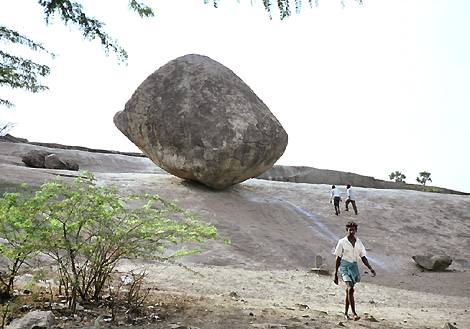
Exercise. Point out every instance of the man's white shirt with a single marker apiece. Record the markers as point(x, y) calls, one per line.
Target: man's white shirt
point(335, 192)
point(346, 251)
point(351, 193)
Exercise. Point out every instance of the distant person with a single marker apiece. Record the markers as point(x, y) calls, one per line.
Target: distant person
point(351, 199)
point(336, 198)
point(348, 251)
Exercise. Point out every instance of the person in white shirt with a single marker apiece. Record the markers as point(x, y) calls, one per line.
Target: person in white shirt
point(351, 199)
point(336, 198)
point(348, 251)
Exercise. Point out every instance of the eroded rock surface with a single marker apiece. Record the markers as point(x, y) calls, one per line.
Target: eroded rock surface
point(197, 120)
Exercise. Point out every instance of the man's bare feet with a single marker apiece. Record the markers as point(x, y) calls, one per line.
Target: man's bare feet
point(347, 317)
point(356, 317)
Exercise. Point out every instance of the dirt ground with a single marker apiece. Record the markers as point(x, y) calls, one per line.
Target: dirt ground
point(262, 279)
point(297, 299)
point(214, 297)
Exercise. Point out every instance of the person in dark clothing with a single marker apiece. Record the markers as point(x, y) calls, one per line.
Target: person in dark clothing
point(351, 199)
point(336, 198)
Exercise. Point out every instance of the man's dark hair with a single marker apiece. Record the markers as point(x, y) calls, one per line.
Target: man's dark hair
point(332, 186)
point(348, 186)
point(351, 224)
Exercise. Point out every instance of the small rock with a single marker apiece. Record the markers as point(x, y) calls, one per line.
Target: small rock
point(177, 326)
point(302, 306)
point(370, 318)
point(294, 319)
point(34, 319)
point(58, 306)
point(269, 325)
point(320, 271)
point(25, 308)
point(233, 294)
point(449, 325)
point(126, 279)
point(433, 263)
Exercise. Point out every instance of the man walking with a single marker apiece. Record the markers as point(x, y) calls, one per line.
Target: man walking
point(336, 197)
point(351, 198)
point(348, 251)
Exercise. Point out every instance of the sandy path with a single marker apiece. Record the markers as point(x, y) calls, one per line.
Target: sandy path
point(284, 289)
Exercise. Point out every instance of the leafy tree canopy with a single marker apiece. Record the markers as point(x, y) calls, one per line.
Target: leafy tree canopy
point(424, 177)
point(397, 176)
point(23, 73)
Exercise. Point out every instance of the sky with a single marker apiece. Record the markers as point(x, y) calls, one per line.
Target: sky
point(367, 89)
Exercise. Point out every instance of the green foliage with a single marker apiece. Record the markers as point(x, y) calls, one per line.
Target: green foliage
point(23, 73)
point(19, 72)
point(86, 229)
point(141, 8)
point(6, 186)
point(5, 312)
point(18, 229)
point(71, 12)
point(424, 177)
point(284, 6)
point(397, 176)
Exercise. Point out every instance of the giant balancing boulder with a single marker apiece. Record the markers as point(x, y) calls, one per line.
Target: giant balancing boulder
point(197, 120)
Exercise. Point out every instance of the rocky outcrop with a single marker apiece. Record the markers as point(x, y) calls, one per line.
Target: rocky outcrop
point(197, 120)
point(433, 263)
point(45, 159)
point(12, 139)
point(35, 158)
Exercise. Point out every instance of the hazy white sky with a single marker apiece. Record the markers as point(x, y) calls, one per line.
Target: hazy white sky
point(367, 89)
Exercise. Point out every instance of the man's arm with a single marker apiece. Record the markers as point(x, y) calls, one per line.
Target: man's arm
point(338, 261)
point(366, 263)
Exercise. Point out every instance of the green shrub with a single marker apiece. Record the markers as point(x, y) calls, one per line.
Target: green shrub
point(86, 229)
point(18, 228)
